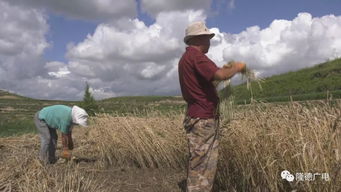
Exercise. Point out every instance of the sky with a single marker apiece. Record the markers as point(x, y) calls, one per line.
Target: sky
point(49, 49)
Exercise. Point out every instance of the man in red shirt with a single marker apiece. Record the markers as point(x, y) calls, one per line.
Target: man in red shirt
point(196, 74)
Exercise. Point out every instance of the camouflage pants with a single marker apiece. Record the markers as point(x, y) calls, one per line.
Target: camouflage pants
point(202, 135)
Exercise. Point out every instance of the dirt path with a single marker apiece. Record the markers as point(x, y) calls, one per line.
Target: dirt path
point(133, 179)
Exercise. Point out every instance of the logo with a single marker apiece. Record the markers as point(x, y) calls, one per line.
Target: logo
point(287, 175)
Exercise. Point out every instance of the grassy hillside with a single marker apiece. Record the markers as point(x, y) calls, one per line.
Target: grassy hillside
point(141, 104)
point(16, 112)
point(309, 83)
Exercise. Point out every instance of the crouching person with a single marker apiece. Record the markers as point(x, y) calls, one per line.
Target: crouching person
point(60, 117)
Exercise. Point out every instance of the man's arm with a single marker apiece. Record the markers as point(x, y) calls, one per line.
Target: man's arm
point(67, 145)
point(67, 141)
point(229, 71)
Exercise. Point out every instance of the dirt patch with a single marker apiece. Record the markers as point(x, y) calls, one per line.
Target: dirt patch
point(134, 179)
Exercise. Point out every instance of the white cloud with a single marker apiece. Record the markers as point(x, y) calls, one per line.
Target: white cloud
point(127, 57)
point(57, 69)
point(124, 57)
point(22, 69)
point(131, 58)
point(84, 9)
point(22, 42)
point(286, 45)
point(154, 7)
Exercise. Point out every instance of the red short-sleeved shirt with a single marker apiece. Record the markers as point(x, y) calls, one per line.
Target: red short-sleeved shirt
point(196, 72)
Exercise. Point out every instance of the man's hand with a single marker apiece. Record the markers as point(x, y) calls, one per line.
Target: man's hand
point(240, 66)
point(66, 154)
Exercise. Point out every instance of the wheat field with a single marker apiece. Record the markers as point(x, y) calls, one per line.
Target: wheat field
point(149, 153)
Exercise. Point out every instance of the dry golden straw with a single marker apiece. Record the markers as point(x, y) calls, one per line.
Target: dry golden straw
point(257, 142)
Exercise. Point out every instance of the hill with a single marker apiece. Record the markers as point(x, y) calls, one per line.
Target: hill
point(8, 95)
point(16, 112)
point(141, 104)
point(317, 82)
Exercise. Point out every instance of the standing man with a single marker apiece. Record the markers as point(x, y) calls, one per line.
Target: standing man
point(60, 117)
point(196, 74)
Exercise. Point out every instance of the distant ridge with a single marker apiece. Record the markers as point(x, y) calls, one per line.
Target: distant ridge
point(8, 95)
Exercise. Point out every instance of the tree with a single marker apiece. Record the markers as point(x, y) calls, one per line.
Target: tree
point(89, 103)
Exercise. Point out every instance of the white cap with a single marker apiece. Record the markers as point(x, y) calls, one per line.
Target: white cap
point(79, 116)
point(196, 29)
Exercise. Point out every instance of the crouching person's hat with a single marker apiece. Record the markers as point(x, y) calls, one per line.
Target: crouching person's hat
point(79, 116)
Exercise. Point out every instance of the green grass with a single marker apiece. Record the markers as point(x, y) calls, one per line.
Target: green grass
point(16, 112)
point(18, 127)
point(302, 97)
point(305, 84)
point(141, 104)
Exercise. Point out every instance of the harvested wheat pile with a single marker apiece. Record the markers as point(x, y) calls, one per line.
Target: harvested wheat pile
point(153, 142)
point(262, 140)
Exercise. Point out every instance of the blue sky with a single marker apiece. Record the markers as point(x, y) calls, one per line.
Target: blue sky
point(245, 13)
point(49, 49)
point(64, 31)
point(262, 12)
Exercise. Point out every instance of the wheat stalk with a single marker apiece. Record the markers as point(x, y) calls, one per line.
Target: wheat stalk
point(248, 74)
